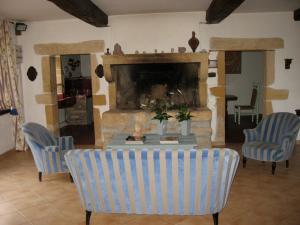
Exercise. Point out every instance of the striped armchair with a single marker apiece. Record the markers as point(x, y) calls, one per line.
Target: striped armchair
point(48, 151)
point(148, 181)
point(272, 140)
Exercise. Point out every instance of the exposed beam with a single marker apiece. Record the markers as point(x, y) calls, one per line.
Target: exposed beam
point(85, 10)
point(297, 15)
point(220, 9)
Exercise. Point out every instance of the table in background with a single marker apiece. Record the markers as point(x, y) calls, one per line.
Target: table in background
point(152, 141)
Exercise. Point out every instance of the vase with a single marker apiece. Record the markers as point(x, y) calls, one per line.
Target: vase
point(193, 42)
point(162, 127)
point(185, 127)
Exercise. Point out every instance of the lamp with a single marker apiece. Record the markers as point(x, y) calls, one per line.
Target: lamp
point(19, 27)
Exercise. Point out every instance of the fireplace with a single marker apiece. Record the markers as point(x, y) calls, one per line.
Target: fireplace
point(137, 84)
point(134, 79)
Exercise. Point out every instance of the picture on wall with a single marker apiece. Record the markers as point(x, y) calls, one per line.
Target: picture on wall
point(233, 62)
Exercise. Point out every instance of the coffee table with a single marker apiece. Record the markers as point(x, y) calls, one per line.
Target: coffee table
point(152, 141)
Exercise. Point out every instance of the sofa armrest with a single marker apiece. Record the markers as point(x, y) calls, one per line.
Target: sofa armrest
point(66, 143)
point(250, 135)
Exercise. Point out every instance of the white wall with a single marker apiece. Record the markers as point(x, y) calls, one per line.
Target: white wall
point(241, 85)
point(147, 32)
point(7, 141)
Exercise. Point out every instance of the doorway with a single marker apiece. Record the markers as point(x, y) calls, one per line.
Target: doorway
point(74, 96)
point(244, 73)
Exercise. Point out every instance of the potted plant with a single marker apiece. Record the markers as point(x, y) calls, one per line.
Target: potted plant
point(162, 117)
point(159, 107)
point(184, 118)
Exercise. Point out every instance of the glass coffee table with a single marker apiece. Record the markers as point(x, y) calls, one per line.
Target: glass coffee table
point(153, 141)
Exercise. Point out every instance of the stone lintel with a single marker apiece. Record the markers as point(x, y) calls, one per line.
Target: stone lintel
point(85, 47)
point(244, 44)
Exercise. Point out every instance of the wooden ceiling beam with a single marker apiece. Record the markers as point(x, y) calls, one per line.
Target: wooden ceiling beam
point(85, 10)
point(297, 15)
point(220, 9)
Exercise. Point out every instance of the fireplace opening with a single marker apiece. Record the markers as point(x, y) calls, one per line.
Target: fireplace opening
point(136, 84)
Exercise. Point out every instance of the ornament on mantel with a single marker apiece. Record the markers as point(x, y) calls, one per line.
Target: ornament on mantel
point(193, 42)
point(107, 52)
point(181, 49)
point(136, 52)
point(118, 50)
point(172, 50)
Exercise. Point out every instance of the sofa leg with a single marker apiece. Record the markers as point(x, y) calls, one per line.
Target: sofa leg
point(40, 176)
point(244, 161)
point(87, 217)
point(216, 218)
point(287, 163)
point(273, 167)
point(71, 178)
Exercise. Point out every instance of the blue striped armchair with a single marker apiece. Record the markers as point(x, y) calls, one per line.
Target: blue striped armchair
point(153, 181)
point(272, 140)
point(47, 150)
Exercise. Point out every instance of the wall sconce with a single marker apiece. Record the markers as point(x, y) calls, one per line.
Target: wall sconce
point(287, 63)
point(19, 27)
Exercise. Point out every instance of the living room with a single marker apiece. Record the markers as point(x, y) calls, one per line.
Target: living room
point(150, 33)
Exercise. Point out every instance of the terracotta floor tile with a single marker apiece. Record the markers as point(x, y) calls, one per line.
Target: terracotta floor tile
point(13, 219)
point(6, 207)
point(256, 198)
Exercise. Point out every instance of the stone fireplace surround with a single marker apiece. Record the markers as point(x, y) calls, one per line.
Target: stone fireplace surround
point(122, 121)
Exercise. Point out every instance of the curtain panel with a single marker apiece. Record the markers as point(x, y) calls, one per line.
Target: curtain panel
point(9, 74)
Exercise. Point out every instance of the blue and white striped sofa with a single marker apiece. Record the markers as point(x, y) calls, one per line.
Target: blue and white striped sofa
point(153, 181)
point(272, 140)
point(47, 150)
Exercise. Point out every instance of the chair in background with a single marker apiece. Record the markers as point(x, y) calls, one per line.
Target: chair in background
point(48, 151)
point(252, 109)
point(272, 140)
point(153, 181)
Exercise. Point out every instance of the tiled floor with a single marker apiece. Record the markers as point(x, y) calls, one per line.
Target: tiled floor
point(257, 197)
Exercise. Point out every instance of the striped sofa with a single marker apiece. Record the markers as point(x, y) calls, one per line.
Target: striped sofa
point(272, 140)
point(47, 150)
point(153, 181)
